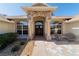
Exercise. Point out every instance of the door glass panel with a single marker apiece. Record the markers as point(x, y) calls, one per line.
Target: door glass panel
point(38, 23)
point(39, 28)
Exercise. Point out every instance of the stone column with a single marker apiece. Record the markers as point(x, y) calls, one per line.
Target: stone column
point(45, 29)
point(30, 28)
point(47, 25)
point(48, 30)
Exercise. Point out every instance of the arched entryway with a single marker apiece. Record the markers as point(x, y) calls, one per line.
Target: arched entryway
point(40, 12)
point(39, 28)
point(39, 25)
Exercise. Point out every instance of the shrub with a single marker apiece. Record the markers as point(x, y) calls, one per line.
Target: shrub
point(6, 39)
point(63, 37)
point(56, 37)
point(15, 48)
point(70, 36)
point(22, 43)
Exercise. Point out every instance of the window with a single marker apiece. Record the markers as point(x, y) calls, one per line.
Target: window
point(56, 27)
point(22, 28)
point(38, 23)
point(19, 32)
point(52, 26)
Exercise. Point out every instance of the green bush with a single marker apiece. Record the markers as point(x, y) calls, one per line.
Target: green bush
point(6, 39)
point(22, 43)
point(15, 48)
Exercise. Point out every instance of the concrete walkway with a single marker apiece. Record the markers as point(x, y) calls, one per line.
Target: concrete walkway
point(45, 48)
point(39, 49)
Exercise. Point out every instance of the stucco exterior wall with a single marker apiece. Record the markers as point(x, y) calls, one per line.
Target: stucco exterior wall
point(6, 27)
point(66, 28)
point(72, 27)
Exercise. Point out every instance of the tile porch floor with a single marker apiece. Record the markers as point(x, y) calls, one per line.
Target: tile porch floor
point(46, 48)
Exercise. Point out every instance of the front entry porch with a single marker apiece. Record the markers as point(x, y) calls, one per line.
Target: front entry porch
point(39, 26)
point(36, 14)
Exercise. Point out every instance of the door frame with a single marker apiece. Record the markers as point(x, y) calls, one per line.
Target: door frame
point(39, 28)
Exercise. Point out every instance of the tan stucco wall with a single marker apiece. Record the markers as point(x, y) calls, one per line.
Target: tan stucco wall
point(6, 27)
point(72, 27)
point(66, 27)
point(69, 27)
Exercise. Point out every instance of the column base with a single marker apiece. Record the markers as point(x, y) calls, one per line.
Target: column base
point(30, 38)
point(48, 38)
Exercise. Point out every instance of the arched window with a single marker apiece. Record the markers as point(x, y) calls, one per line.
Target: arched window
point(38, 23)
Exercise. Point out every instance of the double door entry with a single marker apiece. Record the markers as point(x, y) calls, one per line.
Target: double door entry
point(39, 28)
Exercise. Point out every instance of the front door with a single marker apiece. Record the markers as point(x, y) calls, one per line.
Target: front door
point(39, 28)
